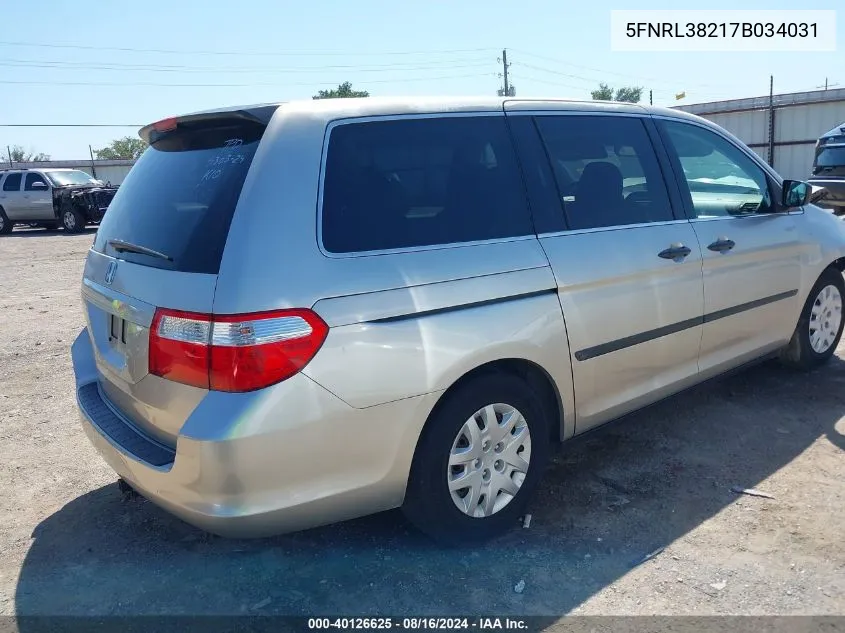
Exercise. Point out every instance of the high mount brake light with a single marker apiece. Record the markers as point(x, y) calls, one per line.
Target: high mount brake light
point(233, 352)
point(165, 125)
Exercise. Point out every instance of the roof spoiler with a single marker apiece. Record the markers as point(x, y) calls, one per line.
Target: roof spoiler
point(154, 131)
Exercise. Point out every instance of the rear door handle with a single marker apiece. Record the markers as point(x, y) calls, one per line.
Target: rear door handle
point(676, 252)
point(722, 245)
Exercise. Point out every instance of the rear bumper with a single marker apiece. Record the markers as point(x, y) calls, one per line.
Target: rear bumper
point(288, 457)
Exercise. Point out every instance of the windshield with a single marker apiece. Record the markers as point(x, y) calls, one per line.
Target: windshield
point(73, 177)
point(831, 157)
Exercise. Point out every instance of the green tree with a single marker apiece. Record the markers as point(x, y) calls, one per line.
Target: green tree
point(629, 94)
point(604, 93)
point(343, 91)
point(126, 148)
point(20, 155)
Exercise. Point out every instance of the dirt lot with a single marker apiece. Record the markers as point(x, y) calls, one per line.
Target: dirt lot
point(662, 478)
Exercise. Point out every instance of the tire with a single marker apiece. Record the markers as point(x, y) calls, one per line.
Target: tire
point(429, 503)
point(817, 334)
point(5, 226)
point(73, 221)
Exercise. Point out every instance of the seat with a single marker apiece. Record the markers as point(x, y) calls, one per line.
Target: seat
point(598, 198)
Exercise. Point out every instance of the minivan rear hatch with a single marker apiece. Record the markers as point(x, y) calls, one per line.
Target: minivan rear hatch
point(159, 246)
point(830, 160)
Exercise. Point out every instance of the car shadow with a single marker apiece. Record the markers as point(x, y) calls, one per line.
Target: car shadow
point(19, 231)
point(607, 500)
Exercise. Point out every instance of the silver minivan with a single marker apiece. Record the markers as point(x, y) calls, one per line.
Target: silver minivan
point(306, 312)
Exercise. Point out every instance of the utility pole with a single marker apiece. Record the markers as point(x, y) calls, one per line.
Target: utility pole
point(650, 95)
point(505, 68)
point(508, 90)
point(93, 168)
point(826, 85)
point(9, 152)
point(771, 160)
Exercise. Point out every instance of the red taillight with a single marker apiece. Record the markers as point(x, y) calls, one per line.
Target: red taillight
point(233, 352)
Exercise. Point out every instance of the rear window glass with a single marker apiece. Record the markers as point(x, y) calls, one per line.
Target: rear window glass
point(420, 182)
point(831, 157)
point(179, 198)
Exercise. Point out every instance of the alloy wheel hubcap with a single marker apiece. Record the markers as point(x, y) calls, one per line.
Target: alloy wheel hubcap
point(70, 220)
point(825, 319)
point(489, 460)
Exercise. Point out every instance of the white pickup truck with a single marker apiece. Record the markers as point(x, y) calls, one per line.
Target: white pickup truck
point(51, 198)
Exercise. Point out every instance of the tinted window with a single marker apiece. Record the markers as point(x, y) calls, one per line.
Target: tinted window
point(419, 182)
point(12, 182)
point(831, 157)
point(606, 170)
point(31, 179)
point(179, 198)
point(722, 180)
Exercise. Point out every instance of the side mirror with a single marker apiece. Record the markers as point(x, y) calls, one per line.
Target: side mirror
point(796, 193)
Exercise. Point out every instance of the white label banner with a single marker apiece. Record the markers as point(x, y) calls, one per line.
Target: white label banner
point(723, 30)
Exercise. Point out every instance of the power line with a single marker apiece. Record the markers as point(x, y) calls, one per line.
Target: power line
point(598, 70)
point(609, 72)
point(232, 85)
point(555, 72)
point(402, 66)
point(129, 49)
point(552, 83)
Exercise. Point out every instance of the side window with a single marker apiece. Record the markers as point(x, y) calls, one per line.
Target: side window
point(31, 179)
point(420, 182)
point(606, 170)
point(722, 180)
point(12, 182)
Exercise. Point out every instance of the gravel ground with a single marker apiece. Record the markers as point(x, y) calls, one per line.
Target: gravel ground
point(660, 479)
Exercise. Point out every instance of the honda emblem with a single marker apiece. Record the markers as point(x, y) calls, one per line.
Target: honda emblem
point(110, 272)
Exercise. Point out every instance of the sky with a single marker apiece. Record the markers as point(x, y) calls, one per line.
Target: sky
point(131, 63)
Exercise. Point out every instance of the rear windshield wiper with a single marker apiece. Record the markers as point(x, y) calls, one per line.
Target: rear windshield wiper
point(128, 247)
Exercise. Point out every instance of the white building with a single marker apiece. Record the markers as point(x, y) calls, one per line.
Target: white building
point(112, 171)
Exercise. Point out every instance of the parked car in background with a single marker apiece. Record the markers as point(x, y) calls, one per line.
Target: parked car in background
point(829, 169)
point(308, 312)
point(52, 198)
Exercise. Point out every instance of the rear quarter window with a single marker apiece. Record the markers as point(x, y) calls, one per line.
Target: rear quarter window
point(406, 183)
point(12, 182)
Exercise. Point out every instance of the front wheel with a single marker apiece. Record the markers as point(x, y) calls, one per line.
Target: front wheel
point(820, 326)
point(73, 221)
point(5, 226)
point(478, 460)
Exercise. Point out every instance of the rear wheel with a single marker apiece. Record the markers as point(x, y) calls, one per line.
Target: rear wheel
point(73, 221)
point(5, 226)
point(820, 326)
point(478, 460)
